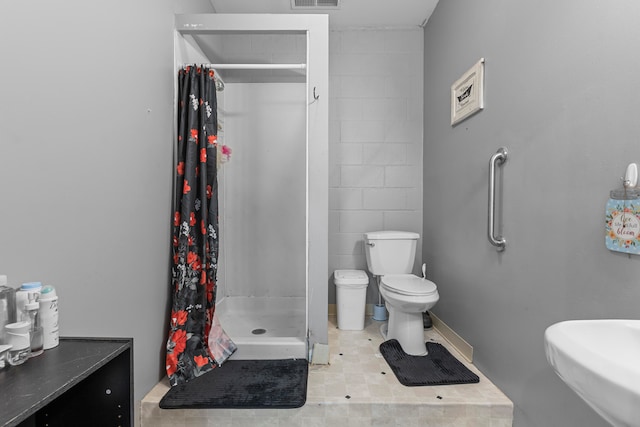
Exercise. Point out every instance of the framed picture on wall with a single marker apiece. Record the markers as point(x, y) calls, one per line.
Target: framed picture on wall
point(467, 93)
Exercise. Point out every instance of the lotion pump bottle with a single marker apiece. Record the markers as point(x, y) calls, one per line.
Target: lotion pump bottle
point(31, 314)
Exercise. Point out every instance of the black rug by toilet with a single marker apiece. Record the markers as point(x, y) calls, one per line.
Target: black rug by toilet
point(439, 367)
point(244, 384)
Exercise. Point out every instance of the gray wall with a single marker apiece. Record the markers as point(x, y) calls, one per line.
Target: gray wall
point(560, 95)
point(86, 163)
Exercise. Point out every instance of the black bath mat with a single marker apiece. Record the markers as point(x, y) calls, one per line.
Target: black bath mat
point(244, 384)
point(439, 367)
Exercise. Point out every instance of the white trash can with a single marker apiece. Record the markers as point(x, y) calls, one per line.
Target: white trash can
point(351, 296)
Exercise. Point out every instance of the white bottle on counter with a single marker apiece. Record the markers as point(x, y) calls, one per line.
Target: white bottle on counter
point(49, 316)
point(31, 314)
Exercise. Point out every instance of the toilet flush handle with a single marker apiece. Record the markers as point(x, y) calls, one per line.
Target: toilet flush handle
point(372, 244)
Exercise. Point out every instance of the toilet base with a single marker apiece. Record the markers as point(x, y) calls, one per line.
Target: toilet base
point(408, 329)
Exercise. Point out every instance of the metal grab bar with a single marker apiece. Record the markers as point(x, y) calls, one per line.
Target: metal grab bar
point(497, 159)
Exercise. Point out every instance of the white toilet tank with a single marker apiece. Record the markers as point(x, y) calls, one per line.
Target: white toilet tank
point(390, 252)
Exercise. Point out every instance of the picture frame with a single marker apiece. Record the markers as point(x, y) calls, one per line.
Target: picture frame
point(467, 93)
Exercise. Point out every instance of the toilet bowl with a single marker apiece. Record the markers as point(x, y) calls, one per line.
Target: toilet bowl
point(390, 257)
point(407, 296)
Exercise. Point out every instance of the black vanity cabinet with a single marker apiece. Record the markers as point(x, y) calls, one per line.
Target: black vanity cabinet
point(81, 382)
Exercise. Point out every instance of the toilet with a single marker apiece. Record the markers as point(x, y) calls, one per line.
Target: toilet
point(390, 257)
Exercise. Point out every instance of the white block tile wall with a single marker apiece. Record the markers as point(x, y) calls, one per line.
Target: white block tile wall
point(375, 140)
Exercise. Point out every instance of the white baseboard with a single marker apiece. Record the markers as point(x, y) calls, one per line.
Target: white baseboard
point(464, 348)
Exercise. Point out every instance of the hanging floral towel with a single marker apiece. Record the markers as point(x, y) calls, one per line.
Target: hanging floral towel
point(622, 226)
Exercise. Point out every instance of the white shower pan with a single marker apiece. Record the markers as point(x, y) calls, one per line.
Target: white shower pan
point(265, 327)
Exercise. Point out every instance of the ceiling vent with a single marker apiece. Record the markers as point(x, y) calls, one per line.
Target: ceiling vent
point(315, 4)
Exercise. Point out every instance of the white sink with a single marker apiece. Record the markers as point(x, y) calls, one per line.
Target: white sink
point(600, 361)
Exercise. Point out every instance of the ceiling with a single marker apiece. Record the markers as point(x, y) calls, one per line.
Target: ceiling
point(349, 14)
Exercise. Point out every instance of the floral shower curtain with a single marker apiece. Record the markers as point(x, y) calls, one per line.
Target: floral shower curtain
point(196, 342)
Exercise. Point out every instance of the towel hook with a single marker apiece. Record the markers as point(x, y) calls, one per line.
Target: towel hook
point(315, 96)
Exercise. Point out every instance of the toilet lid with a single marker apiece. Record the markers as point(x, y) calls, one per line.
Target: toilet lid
point(408, 284)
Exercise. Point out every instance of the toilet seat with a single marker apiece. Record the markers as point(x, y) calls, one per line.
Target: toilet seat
point(408, 284)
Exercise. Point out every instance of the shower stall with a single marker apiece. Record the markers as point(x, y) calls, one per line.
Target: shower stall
point(273, 192)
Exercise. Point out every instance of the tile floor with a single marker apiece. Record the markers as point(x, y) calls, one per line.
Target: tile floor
point(358, 389)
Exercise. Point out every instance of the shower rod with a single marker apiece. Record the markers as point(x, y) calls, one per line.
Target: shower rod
point(257, 66)
point(220, 82)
